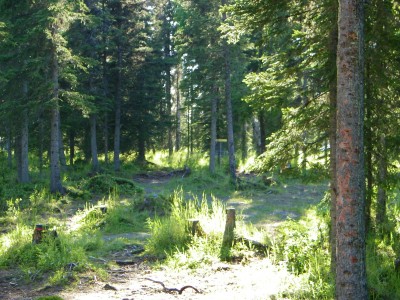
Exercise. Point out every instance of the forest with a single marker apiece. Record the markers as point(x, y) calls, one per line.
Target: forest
point(136, 126)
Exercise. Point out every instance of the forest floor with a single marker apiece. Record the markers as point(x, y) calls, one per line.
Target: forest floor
point(255, 278)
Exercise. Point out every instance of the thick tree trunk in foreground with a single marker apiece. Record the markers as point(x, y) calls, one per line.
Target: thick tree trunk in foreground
point(351, 280)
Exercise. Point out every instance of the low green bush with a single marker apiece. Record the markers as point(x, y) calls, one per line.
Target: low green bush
point(107, 184)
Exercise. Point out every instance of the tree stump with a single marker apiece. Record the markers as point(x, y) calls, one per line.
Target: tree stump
point(195, 227)
point(42, 231)
point(229, 234)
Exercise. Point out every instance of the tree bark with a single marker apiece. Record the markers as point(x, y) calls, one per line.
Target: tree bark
point(351, 280)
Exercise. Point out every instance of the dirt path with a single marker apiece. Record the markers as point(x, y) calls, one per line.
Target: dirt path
point(256, 279)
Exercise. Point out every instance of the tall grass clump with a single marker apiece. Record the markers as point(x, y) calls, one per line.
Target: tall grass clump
point(171, 233)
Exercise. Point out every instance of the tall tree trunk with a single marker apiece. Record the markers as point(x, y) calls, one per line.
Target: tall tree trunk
point(71, 147)
point(244, 141)
point(118, 98)
point(229, 109)
point(213, 141)
point(93, 143)
point(368, 149)
point(382, 176)
point(55, 169)
point(24, 152)
point(104, 30)
point(263, 133)
point(17, 151)
point(8, 147)
point(256, 135)
point(168, 85)
point(63, 159)
point(351, 280)
point(141, 145)
point(41, 141)
point(178, 135)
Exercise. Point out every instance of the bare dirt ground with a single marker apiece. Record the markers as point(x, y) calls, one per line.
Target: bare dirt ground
point(253, 279)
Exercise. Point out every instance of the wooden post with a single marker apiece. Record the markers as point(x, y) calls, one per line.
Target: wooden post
point(229, 234)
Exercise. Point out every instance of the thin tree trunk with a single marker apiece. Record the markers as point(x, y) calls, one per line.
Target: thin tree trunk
point(55, 170)
point(263, 133)
point(178, 135)
point(106, 159)
point(351, 280)
point(71, 147)
point(63, 159)
point(8, 147)
point(93, 143)
point(213, 141)
point(41, 142)
point(117, 132)
point(105, 81)
point(368, 149)
point(141, 145)
point(256, 135)
point(382, 175)
point(229, 109)
point(244, 141)
point(24, 152)
point(168, 86)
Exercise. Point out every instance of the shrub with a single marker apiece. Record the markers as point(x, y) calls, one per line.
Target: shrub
point(105, 184)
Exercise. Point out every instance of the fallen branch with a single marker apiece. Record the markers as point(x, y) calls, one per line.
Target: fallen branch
point(172, 290)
